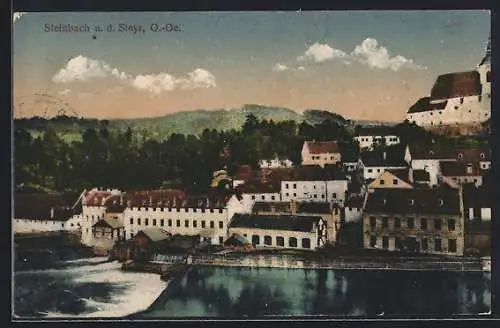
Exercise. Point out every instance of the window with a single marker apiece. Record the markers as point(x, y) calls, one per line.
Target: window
point(385, 222)
point(186, 223)
point(280, 241)
point(294, 195)
point(373, 241)
point(315, 196)
point(131, 221)
point(373, 222)
point(221, 210)
point(178, 223)
point(423, 224)
point(273, 197)
point(437, 224)
point(263, 197)
point(253, 196)
point(195, 224)
point(370, 170)
point(334, 195)
point(292, 242)
point(221, 240)
point(385, 242)
point(394, 181)
point(460, 155)
point(452, 245)
point(212, 224)
point(437, 245)
point(203, 224)
point(411, 223)
point(255, 240)
point(397, 242)
point(306, 243)
point(425, 244)
point(221, 224)
point(451, 225)
point(382, 182)
point(411, 201)
point(131, 235)
point(397, 223)
point(154, 222)
point(138, 221)
point(146, 222)
point(267, 240)
point(461, 100)
point(162, 222)
point(294, 186)
point(169, 222)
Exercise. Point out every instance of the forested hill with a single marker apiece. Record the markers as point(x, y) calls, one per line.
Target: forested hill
point(187, 122)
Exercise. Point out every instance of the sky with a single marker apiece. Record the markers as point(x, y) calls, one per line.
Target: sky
point(369, 65)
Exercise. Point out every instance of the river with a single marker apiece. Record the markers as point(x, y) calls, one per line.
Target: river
point(86, 289)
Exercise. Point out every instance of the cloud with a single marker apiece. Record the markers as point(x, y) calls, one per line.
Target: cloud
point(16, 16)
point(280, 67)
point(370, 53)
point(321, 53)
point(81, 68)
point(64, 92)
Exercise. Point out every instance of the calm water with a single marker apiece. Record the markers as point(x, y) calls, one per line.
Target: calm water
point(228, 292)
point(86, 289)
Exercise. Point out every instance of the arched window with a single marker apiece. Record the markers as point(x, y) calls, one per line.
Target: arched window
point(280, 241)
point(268, 240)
point(306, 243)
point(255, 240)
point(292, 242)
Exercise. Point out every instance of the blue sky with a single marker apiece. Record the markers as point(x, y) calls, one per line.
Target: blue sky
point(358, 64)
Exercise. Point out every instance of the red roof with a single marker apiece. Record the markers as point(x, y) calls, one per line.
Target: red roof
point(459, 169)
point(96, 197)
point(322, 147)
point(155, 198)
point(473, 154)
point(456, 85)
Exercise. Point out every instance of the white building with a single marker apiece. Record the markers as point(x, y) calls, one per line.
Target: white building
point(353, 209)
point(374, 163)
point(457, 98)
point(280, 231)
point(275, 163)
point(477, 202)
point(320, 153)
point(369, 137)
point(457, 173)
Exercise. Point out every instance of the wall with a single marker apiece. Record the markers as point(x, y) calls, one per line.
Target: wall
point(388, 182)
point(353, 214)
point(313, 236)
point(27, 225)
point(90, 216)
point(444, 234)
point(431, 166)
point(314, 191)
point(367, 142)
point(320, 159)
point(476, 180)
point(372, 172)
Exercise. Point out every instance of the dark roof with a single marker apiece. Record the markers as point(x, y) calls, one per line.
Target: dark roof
point(257, 187)
point(458, 169)
point(96, 197)
point(155, 234)
point(424, 105)
point(403, 174)
point(421, 176)
point(155, 198)
point(236, 239)
point(476, 154)
point(274, 222)
point(317, 173)
point(477, 197)
point(268, 206)
point(322, 147)
point(244, 172)
point(455, 85)
point(394, 157)
point(111, 223)
point(115, 204)
point(425, 201)
point(375, 131)
point(313, 208)
point(41, 206)
point(354, 201)
point(435, 151)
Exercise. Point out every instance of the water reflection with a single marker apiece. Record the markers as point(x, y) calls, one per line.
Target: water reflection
point(229, 292)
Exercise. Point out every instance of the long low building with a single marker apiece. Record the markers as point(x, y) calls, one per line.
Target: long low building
point(280, 231)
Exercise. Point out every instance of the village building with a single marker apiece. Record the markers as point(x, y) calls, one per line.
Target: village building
point(415, 220)
point(324, 210)
point(392, 178)
point(456, 98)
point(370, 137)
point(374, 163)
point(315, 184)
point(142, 245)
point(353, 209)
point(43, 212)
point(105, 233)
point(477, 202)
point(458, 173)
point(253, 191)
point(276, 162)
point(321, 153)
point(280, 231)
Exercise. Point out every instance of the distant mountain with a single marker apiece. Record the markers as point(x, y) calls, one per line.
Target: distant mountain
point(186, 122)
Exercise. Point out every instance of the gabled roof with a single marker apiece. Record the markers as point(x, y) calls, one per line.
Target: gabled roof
point(455, 85)
point(459, 169)
point(402, 174)
point(155, 234)
point(317, 173)
point(322, 147)
point(388, 157)
point(111, 223)
point(434, 152)
point(413, 201)
point(274, 222)
point(424, 105)
point(96, 197)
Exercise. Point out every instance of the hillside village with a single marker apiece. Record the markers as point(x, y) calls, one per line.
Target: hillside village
point(390, 192)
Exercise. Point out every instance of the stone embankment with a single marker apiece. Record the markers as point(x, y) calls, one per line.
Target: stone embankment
point(166, 270)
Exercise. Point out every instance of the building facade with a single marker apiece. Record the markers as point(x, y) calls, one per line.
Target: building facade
point(321, 153)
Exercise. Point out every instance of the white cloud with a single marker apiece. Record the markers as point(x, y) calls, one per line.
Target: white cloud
point(16, 16)
point(81, 68)
point(154, 83)
point(301, 68)
point(369, 52)
point(64, 92)
point(321, 52)
point(279, 67)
